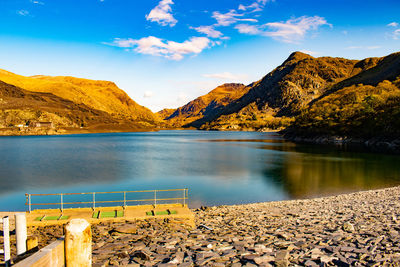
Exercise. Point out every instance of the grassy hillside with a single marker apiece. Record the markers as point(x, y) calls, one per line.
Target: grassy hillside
point(366, 105)
point(273, 101)
point(19, 107)
point(100, 95)
point(205, 106)
point(319, 96)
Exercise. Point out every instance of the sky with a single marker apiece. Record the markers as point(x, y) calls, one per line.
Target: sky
point(164, 53)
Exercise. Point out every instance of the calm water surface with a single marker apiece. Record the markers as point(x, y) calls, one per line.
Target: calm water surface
point(217, 167)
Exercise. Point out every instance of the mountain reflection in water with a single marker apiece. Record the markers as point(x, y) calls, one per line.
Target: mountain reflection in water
point(217, 167)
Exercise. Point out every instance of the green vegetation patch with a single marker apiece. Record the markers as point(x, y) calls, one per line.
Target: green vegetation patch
point(95, 215)
point(172, 211)
point(149, 213)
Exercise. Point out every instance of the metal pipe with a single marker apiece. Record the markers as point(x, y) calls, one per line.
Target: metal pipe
point(94, 200)
point(155, 198)
point(30, 204)
point(62, 202)
point(124, 199)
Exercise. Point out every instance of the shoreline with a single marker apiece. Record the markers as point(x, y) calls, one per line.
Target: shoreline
point(361, 227)
point(374, 145)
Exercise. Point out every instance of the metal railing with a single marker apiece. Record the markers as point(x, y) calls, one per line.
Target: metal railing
point(182, 199)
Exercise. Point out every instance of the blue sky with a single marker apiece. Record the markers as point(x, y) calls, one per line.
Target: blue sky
point(164, 53)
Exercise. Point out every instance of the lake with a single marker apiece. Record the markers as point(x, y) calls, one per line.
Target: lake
point(217, 167)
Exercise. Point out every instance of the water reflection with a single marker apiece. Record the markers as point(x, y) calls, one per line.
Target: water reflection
point(217, 167)
point(307, 171)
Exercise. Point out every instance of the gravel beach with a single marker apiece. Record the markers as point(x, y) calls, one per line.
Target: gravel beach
point(358, 229)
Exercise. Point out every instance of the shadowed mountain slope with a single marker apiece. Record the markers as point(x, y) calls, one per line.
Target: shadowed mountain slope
point(19, 107)
point(100, 95)
point(302, 80)
point(204, 106)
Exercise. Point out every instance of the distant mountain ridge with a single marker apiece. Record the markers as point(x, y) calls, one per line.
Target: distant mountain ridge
point(100, 95)
point(293, 88)
point(204, 106)
point(69, 103)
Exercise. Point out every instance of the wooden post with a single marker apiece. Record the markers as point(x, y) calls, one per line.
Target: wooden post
point(6, 235)
point(32, 242)
point(20, 232)
point(78, 243)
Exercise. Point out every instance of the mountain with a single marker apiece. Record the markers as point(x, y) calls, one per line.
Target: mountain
point(166, 112)
point(100, 95)
point(204, 106)
point(365, 106)
point(21, 107)
point(300, 93)
point(273, 101)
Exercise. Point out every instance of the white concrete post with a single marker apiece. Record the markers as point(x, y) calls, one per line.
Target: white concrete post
point(20, 232)
point(78, 243)
point(6, 235)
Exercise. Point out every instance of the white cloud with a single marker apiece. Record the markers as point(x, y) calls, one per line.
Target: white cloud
point(148, 94)
point(226, 19)
point(162, 14)
point(294, 29)
point(291, 31)
point(363, 47)
point(254, 7)
point(169, 49)
point(23, 12)
point(373, 47)
point(226, 76)
point(36, 2)
point(248, 29)
point(313, 53)
point(393, 24)
point(396, 34)
point(209, 31)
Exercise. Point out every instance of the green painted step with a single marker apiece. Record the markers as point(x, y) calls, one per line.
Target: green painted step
point(108, 214)
point(162, 212)
point(51, 218)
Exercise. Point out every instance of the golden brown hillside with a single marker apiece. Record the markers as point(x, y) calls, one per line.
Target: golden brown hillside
point(19, 108)
point(165, 113)
point(100, 95)
point(366, 105)
point(206, 105)
point(275, 100)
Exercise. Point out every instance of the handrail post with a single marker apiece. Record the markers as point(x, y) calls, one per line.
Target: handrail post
point(94, 200)
point(62, 202)
point(184, 197)
point(155, 198)
point(29, 200)
point(124, 199)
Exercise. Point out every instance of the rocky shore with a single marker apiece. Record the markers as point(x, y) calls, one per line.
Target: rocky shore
point(360, 229)
point(377, 144)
